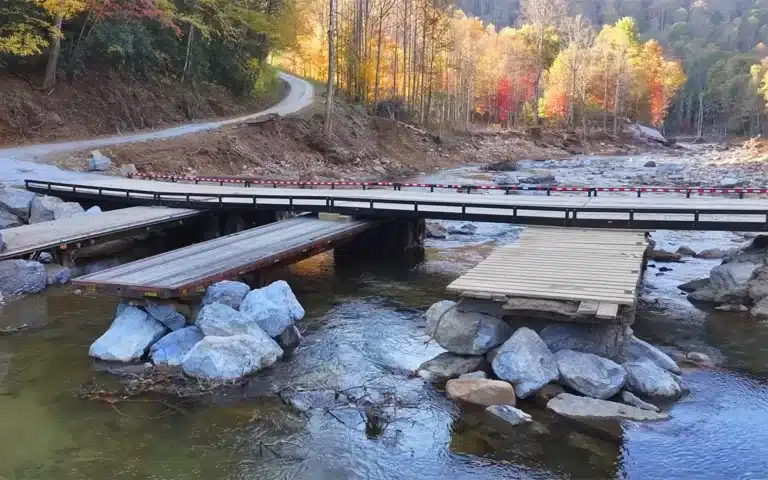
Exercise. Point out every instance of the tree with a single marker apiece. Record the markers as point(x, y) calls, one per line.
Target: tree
point(58, 10)
point(331, 66)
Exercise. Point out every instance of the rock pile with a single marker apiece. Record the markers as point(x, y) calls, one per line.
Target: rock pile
point(237, 332)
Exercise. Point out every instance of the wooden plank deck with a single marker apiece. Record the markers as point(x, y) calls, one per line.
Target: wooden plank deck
point(561, 264)
point(189, 270)
point(60, 233)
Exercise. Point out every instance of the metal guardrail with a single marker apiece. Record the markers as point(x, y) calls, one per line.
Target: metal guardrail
point(461, 210)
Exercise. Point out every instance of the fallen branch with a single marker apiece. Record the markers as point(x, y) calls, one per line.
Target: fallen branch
point(12, 330)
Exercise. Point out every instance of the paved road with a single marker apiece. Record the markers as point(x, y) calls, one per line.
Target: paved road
point(18, 163)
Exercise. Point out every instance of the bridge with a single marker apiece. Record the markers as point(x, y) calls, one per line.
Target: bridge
point(680, 211)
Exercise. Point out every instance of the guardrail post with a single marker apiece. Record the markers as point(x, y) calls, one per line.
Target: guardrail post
point(741, 194)
point(549, 191)
point(639, 192)
point(688, 193)
point(631, 218)
point(695, 218)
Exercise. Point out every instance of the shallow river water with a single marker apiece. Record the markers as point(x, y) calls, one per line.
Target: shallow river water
point(363, 337)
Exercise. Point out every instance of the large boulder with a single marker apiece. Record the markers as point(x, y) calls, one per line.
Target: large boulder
point(664, 256)
point(129, 336)
point(67, 210)
point(449, 365)
point(98, 162)
point(18, 277)
point(226, 292)
point(9, 220)
point(759, 311)
point(590, 375)
point(757, 285)
point(166, 314)
point(16, 201)
point(230, 358)
point(647, 379)
point(43, 208)
point(585, 408)
point(635, 349)
point(435, 230)
point(602, 340)
point(525, 361)
point(694, 285)
point(57, 274)
point(711, 253)
point(219, 320)
point(274, 307)
point(172, 348)
point(465, 333)
point(481, 392)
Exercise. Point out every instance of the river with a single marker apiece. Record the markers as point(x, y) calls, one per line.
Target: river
point(363, 335)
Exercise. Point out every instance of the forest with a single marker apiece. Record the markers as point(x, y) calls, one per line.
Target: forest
point(689, 67)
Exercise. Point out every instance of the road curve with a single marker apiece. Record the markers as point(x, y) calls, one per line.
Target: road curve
point(300, 95)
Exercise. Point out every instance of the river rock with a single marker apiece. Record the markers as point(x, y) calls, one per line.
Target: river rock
point(9, 220)
point(129, 336)
point(547, 393)
point(465, 229)
point(219, 320)
point(16, 201)
point(449, 365)
point(503, 166)
point(601, 340)
point(166, 314)
point(590, 375)
point(585, 408)
point(511, 415)
point(67, 210)
point(226, 292)
point(57, 274)
point(481, 392)
point(229, 358)
point(98, 162)
point(700, 359)
point(664, 256)
point(711, 253)
point(686, 251)
point(128, 169)
point(540, 178)
point(274, 307)
point(635, 349)
point(630, 399)
point(18, 277)
point(649, 380)
point(172, 348)
point(465, 333)
point(3, 245)
point(732, 297)
point(43, 208)
point(706, 295)
point(290, 339)
point(94, 210)
point(694, 285)
point(759, 311)
point(506, 179)
point(436, 230)
point(650, 164)
point(757, 285)
point(525, 361)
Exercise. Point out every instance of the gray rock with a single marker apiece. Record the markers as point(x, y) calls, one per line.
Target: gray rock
point(449, 365)
point(98, 162)
point(16, 201)
point(274, 307)
point(172, 348)
point(503, 166)
point(129, 336)
point(128, 169)
point(57, 274)
point(759, 311)
point(630, 399)
point(539, 179)
point(506, 179)
point(585, 408)
point(18, 277)
point(711, 253)
point(94, 210)
point(694, 285)
point(476, 375)
point(166, 314)
point(229, 358)
point(735, 296)
point(601, 340)
point(67, 210)
point(436, 230)
point(686, 251)
point(664, 256)
point(509, 414)
point(700, 358)
point(3, 245)
point(706, 294)
point(731, 275)
point(43, 208)
point(649, 380)
point(290, 339)
point(45, 258)
point(634, 350)
point(731, 182)
point(757, 285)
point(226, 292)
point(219, 320)
point(650, 163)
point(466, 229)
point(525, 361)
point(9, 220)
point(590, 375)
point(465, 333)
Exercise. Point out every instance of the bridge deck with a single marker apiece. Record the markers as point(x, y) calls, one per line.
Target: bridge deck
point(560, 264)
point(189, 270)
point(647, 213)
point(61, 233)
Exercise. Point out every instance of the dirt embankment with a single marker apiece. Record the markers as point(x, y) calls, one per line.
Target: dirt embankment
point(361, 148)
point(101, 103)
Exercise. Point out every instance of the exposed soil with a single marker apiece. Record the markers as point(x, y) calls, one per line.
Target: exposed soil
point(100, 103)
point(361, 147)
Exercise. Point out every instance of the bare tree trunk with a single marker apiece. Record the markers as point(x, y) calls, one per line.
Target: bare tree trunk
point(191, 34)
point(701, 115)
point(53, 57)
point(378, 63)
point(331, 66)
